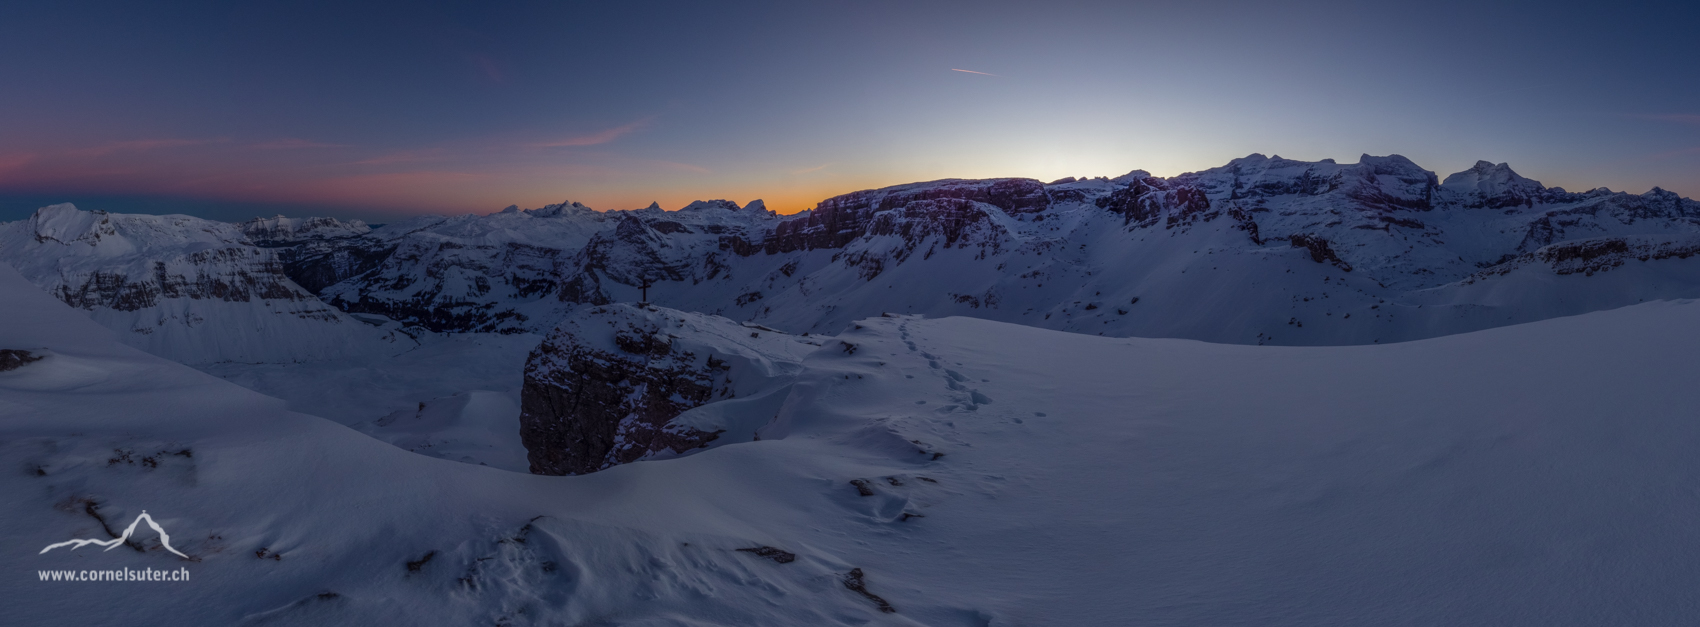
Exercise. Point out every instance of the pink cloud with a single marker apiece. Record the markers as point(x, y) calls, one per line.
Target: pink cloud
point(13, 162)
point(293, 143)
point(598, 138)
point(139, 145)
point(405, 156)
point(684, 166)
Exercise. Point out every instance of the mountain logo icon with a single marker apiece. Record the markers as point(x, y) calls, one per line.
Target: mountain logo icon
point(164, 538)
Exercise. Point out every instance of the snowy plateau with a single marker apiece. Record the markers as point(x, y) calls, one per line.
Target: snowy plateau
point(1270, 393)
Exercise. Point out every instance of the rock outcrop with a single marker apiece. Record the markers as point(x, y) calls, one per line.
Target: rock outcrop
point(13, 359)
point(609, 385)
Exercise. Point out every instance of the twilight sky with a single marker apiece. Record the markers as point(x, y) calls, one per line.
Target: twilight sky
point(373, 110)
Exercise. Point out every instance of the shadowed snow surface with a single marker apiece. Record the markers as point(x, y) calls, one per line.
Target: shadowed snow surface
point(1538, 474)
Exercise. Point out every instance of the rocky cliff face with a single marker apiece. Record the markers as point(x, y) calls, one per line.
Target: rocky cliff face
point(609, 385)
point(685, 247)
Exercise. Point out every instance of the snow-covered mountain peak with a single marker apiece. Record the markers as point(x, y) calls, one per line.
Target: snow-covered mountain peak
point(723, 212)
point(279, 230)
point(1392, 164)
point(54, 236)
point(1493, 186)
point(193, 290)
point(1136, 175)
point(65, 224)
point(566, 208)
point(709, 205)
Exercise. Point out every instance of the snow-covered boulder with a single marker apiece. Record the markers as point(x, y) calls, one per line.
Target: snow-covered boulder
point(1492, 186)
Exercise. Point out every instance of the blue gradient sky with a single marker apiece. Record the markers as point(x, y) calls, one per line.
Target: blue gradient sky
point(372, 110)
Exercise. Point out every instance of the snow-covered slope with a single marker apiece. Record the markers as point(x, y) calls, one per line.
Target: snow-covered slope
point(1539, 474)
point(455, 396)
point(191, 290)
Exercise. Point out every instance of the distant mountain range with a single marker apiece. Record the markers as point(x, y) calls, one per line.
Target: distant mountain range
point(1263, 250)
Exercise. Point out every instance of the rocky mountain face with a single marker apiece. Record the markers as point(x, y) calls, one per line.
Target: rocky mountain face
point(192, 290)
point(611, 384)
point(465, 273)
point(674, 247)
point(1263, 250)
point(282, 231)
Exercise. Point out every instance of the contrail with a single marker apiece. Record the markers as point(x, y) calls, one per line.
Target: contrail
point(973, 72)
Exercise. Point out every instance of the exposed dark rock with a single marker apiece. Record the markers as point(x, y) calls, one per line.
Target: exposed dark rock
point(855, 582)
point(604, 388)
point(236, 274)
point(318, 265)
point(13, 359)
point(584, 409)
point(837, 221)
point(1590, 256)
point(1143, 201)
point(863, 487)
point(1319, 250)
point(414, 566)
point(777, 555)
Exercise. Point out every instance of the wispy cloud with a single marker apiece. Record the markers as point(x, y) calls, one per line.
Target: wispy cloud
point(595, 139)
point(293, 143)
point(12, 162)
point(405, 156)
point(139, 145)
point(1680, 118)
point(813, 169)
point(973, 72)
point(1674, 153)
point(684, 166)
